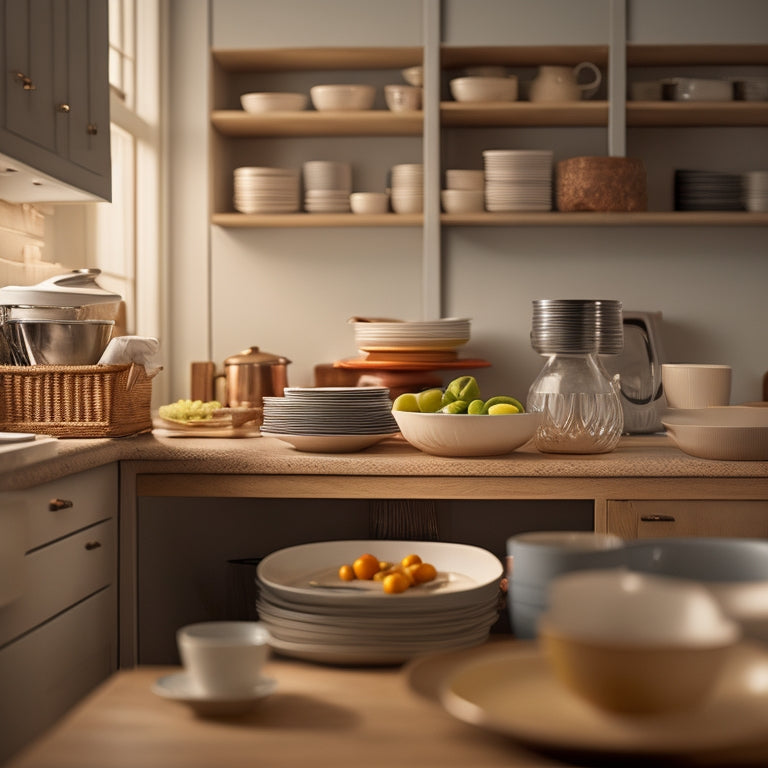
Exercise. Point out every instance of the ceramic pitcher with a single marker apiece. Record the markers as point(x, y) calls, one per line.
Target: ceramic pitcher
point(555, 83)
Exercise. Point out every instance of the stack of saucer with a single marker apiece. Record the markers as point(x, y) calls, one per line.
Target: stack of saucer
point(407, 195)
point(707, 191)
point(330, 419)
point(327, 186)
point(415, 336)
point(577, 326)
point(755, 190)
point(518, 179)
point(266, 190)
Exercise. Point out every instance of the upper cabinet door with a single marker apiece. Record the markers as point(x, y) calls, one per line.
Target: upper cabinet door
point(88, 84)
point(54, 100)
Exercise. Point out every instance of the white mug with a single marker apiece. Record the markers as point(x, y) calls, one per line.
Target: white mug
point(556, 83)
point(696, 386)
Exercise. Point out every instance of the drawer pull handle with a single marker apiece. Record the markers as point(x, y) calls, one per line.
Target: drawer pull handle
point(657, 519)
point(89, 545)
point(54, 505)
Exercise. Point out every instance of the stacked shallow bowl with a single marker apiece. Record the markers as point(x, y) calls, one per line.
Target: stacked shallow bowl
point(312, 614)
point(330, 419)
point(327, 186)
point(755, 190)
point(407, 188)
point(266, 190)
point(518, 179)
point(412, 336)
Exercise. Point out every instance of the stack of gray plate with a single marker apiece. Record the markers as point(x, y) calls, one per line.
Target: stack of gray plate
point(577, 326)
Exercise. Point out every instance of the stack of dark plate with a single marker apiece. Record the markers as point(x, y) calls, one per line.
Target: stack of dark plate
point(577, 326)
point(330, 419)
point(708, 191)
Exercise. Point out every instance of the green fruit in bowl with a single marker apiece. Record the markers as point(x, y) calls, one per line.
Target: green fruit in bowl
point(430, 400)
point(457, 406)
point(406, 402)
point(476, 407)
point(503, 400)
point(464, 388)
point(502, 408)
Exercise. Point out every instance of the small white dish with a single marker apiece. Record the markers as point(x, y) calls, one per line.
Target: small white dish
point(16, 437)
point(179, 687)
point(328, 443)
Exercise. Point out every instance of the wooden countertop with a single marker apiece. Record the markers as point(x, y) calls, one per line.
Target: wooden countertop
point(317, 716)
point(636, 456)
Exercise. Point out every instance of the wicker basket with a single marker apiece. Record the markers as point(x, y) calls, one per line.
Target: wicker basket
point(76, 401)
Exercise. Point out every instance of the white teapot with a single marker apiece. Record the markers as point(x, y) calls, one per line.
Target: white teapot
point(557, 83)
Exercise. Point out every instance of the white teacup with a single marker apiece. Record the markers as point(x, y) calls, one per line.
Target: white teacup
point(402, 98)
point(696, 386)
point(224, 658)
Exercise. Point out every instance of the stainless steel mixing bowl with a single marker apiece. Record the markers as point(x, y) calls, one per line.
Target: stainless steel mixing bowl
point(51, 342)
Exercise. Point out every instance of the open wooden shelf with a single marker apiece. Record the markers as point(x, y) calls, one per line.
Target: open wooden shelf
point(523, 113)
point(693, 114)
point(234, 220)
point(373, 122)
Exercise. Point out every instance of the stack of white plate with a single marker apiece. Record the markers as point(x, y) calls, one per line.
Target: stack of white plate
point(327, 186)
point(330, 419)
point(312, 614)
point(407, 188)
point(266, 190)
point(755, 190)
point(412, 336)
point(518, 179)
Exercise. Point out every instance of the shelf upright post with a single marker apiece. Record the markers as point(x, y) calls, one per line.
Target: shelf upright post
point(431, 286)
point(617, 79)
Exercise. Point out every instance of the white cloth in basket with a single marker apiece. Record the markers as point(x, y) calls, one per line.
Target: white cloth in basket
point(142, 350)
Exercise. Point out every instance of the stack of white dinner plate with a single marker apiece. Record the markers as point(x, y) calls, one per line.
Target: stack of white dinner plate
point(407, 188)
point(266, 190)
point(312, 614)
point(330, 419)
point(518, 179)
point(327, 186)
point(411, 336)
point(755, 190)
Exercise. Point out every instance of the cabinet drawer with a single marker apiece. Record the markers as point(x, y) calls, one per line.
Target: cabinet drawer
point(47, 671)
point(651, 519)
point(58, 576)
point(66, 505)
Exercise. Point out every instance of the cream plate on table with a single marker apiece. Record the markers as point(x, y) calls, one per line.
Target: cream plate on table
point(178, 687)
point(329, 443)
point(515, 693)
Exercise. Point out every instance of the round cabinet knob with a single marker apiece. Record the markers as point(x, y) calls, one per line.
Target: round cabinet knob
point(26, 82)
point(65, 108)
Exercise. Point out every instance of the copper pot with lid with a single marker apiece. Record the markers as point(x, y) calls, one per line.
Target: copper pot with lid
point(251, 375)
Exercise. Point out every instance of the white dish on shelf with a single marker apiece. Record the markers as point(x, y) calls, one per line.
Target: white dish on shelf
point(514, 692)
point(273, 102)
point(697, 89)
point(340, 98)
point(180, 688)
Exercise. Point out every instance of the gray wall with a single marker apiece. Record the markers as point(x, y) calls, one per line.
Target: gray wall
point(291, 291)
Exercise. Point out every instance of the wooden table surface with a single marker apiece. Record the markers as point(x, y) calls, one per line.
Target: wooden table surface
point(317, 716)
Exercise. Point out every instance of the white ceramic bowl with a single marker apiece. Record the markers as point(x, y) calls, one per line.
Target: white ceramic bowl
point(444, 434)
point(697, 89)
point(634, 643)
point(470, 89)
point(407, 202)
point(728, 433)
point(462, 200)
point(413, 76)
point(459, 178)
point(339, 98)
point(273, 102)
point(369, 202)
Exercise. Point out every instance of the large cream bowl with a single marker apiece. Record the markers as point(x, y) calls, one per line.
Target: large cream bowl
point(463, 434)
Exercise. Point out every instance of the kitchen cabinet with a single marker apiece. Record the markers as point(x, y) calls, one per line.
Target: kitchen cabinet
point(652, 519)
point(54, 101)
point(58, 638)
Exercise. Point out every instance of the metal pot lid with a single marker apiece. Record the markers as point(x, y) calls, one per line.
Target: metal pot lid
point(73, 289)
point(253, 356)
